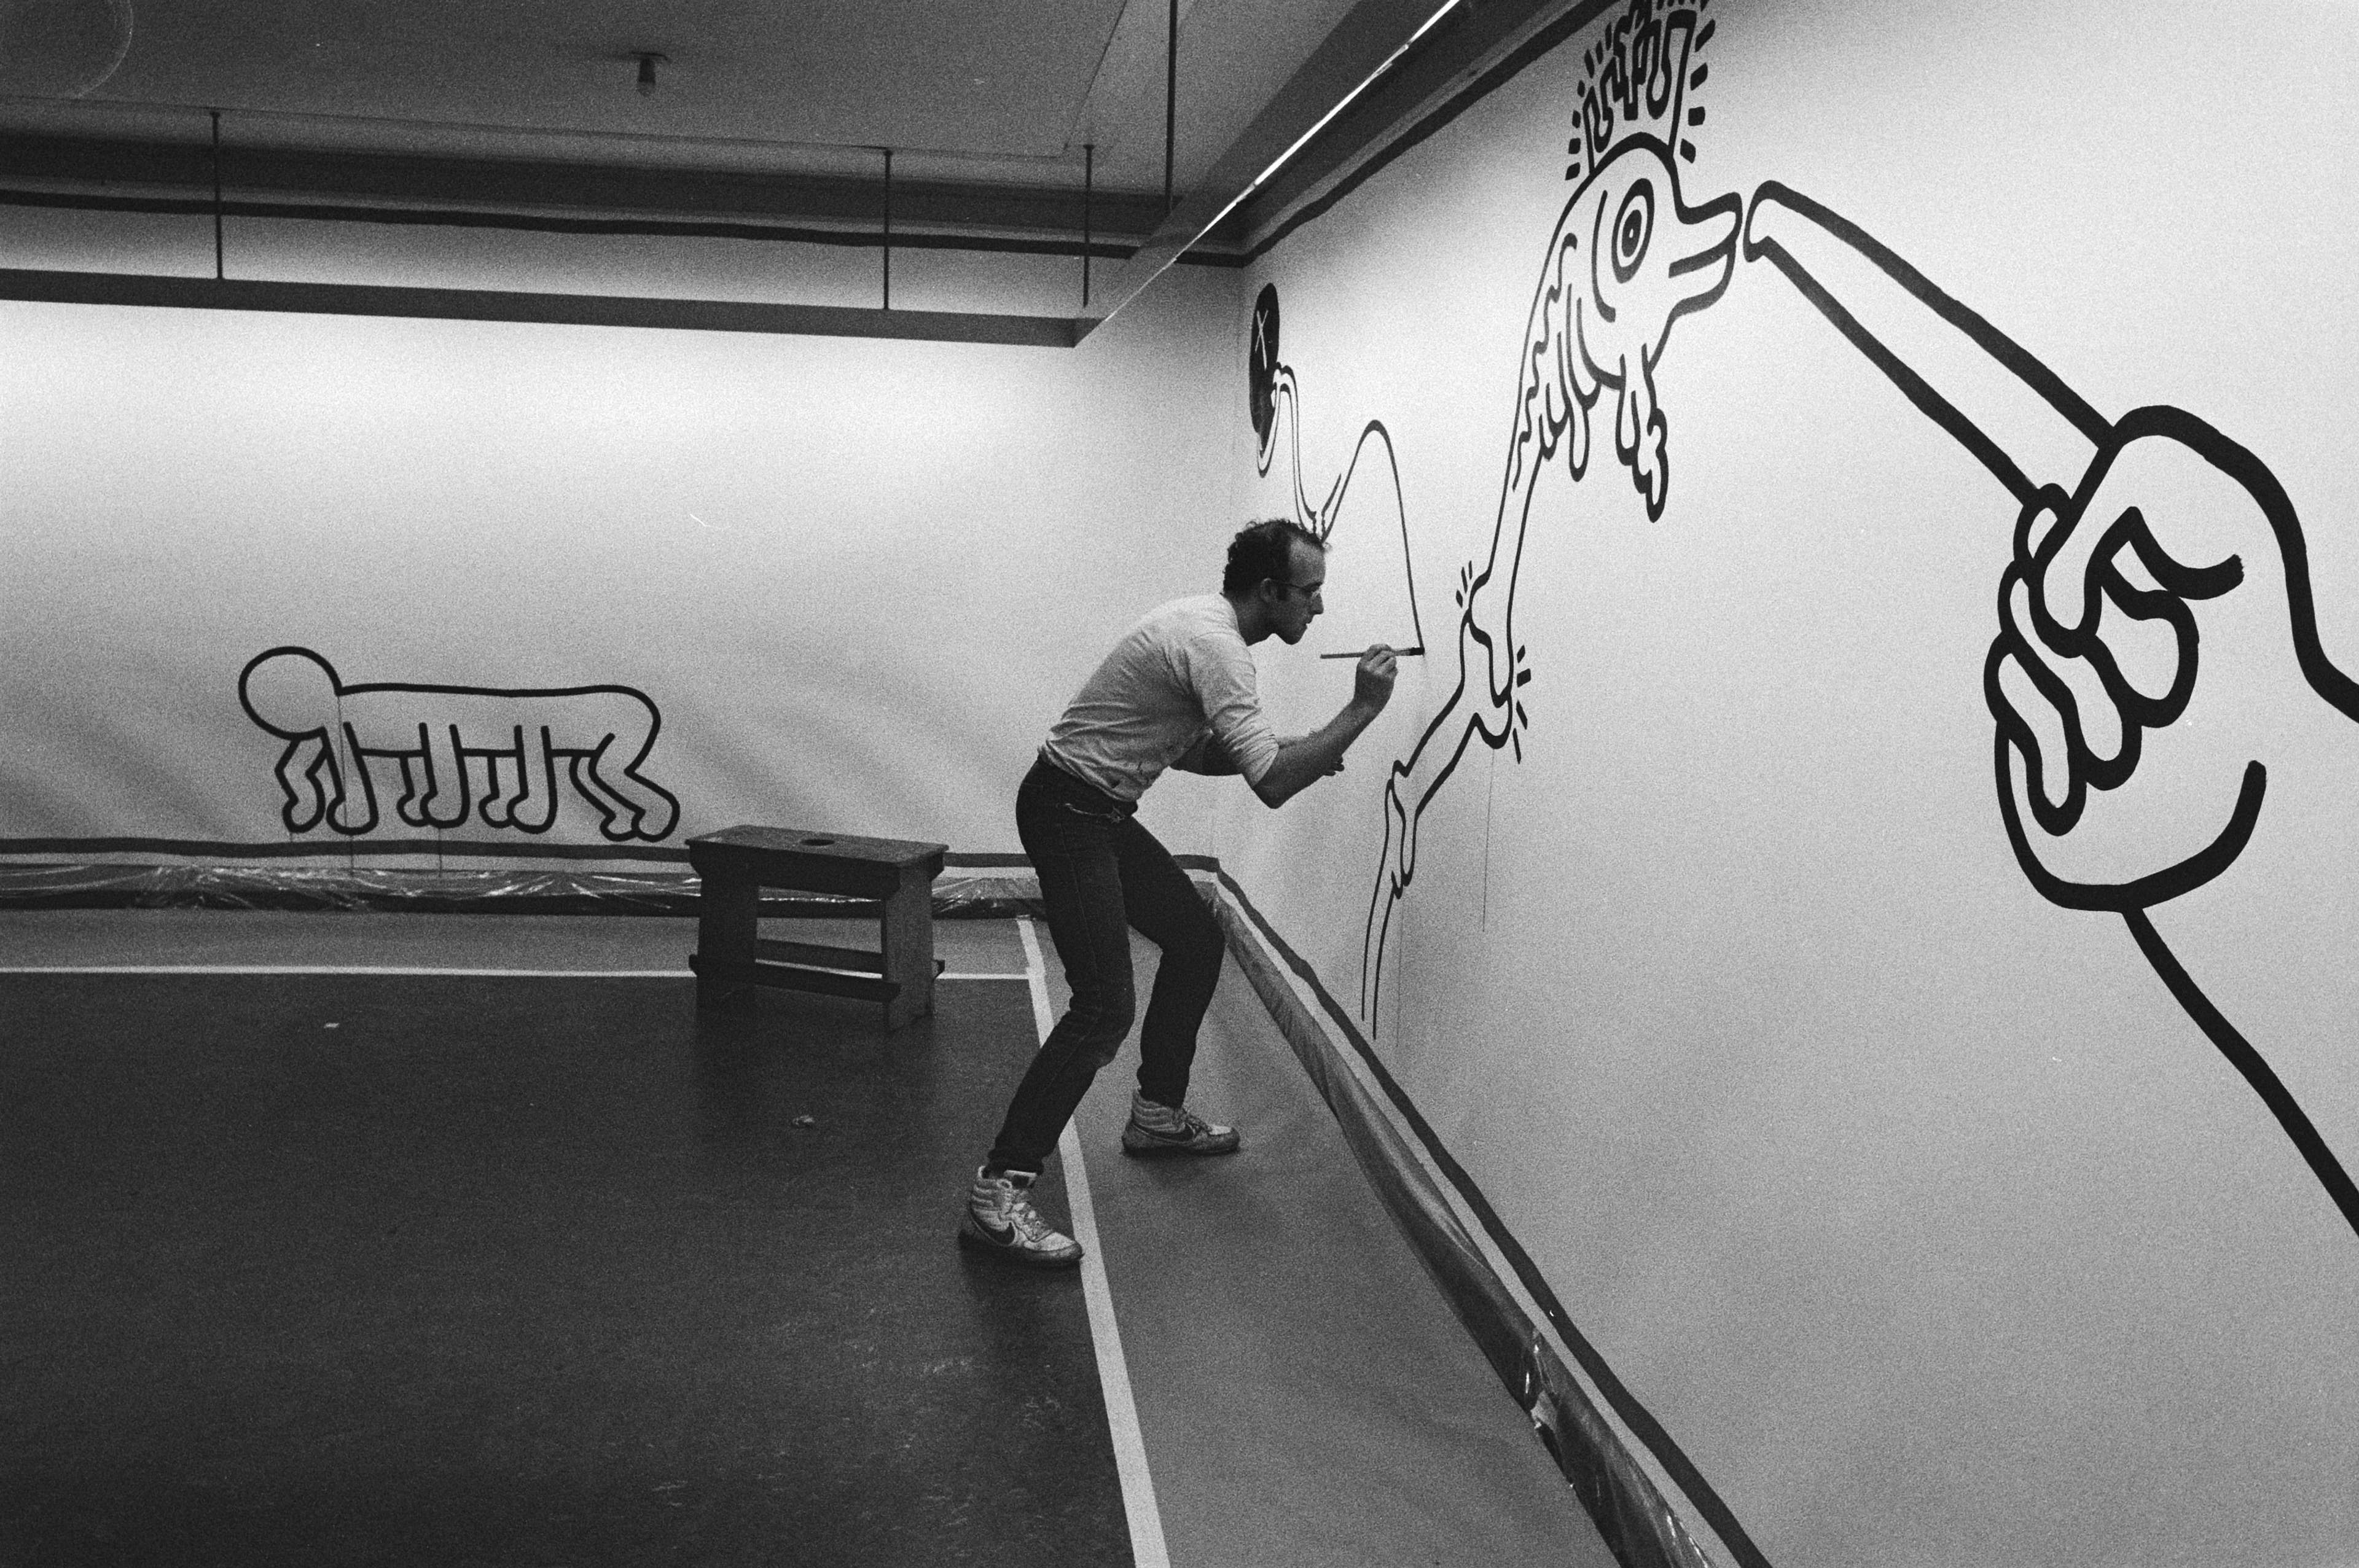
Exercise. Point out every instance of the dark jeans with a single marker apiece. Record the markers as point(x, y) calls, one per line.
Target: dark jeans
point(1102, 873)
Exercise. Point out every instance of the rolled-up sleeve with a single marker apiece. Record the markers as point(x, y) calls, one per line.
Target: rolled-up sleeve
point(1220, 672)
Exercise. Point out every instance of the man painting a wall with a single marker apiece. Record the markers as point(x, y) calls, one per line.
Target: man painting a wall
point(1177, 691)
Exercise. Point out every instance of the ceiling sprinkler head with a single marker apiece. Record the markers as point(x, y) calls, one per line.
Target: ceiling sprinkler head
point(648, 61)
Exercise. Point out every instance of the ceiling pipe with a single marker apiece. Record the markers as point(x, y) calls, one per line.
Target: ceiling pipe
point(1354, 56)
point(186, 293)
point(218, 271)
point(1170, 100)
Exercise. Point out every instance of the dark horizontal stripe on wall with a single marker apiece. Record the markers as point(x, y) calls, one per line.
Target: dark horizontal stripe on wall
point(276, 296)
point(1634, 1414)
point(530, 222)
point(551, 185)
point(1510, 67)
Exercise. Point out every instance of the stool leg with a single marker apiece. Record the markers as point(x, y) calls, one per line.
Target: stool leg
point(908, 943)
point(726, 913)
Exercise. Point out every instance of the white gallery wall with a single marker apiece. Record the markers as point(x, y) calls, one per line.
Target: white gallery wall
point(852, 579)
point(1898, 1184)
point(1898, 1159)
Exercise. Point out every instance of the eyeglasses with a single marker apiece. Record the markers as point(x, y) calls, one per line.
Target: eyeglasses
point(1306, 590)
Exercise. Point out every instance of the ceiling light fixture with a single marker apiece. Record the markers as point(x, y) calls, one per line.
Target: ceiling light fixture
point(1180, 230)
point(1345, 102)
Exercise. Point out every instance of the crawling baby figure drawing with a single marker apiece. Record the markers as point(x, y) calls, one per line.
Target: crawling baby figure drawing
point(1177, 691)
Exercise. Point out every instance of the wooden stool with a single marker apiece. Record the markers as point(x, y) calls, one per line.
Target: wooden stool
point(730, 956)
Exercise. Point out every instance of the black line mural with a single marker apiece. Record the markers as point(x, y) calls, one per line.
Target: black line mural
point(2128, 532)
point(1628, 258)
point(2165, 514)
point(446, 739)
point(1267, 380)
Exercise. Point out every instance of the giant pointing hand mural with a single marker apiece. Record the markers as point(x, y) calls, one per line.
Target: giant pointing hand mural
point(2155, 624)
point(2155, 621)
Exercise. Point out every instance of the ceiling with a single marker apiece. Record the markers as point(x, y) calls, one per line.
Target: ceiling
point(1004, 92)
point(768, 120)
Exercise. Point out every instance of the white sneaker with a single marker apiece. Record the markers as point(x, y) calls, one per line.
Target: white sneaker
point(1000, 1220)
point(1168, 1130)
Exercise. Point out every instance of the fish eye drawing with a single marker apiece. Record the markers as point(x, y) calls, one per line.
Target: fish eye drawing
point(463, 751)
point(2132, 538)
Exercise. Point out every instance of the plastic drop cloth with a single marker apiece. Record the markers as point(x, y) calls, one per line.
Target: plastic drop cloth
point(1632, 1516)
point(978, 893)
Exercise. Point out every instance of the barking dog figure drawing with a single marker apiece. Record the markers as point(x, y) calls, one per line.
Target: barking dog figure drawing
point(1628, 257)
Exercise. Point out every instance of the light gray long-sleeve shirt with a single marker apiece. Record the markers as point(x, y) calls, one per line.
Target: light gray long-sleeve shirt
point(1182, 672)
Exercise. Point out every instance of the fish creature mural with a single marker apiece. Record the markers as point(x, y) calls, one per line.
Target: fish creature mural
point(1628, 257)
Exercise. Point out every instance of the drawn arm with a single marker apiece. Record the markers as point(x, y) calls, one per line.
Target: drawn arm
point(1554, 391)
point(2012, 413)
point(300, 766)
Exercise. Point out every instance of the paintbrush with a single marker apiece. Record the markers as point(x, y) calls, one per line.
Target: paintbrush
point(1417, 653)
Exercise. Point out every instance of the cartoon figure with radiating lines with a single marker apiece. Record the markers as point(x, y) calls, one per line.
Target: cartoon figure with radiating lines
point(1628, 258)
point(604, 733)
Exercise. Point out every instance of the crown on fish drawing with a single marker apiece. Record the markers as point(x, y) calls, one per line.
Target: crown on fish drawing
point(1635, 79)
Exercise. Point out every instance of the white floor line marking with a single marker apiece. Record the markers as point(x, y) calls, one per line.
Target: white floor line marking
point(1146, 1546)
point(394, 969)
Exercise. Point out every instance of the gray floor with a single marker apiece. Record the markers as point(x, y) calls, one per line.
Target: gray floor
point(447, 1271)
point(1304, 1394)
point(80, 937)
point(1307, 1398)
